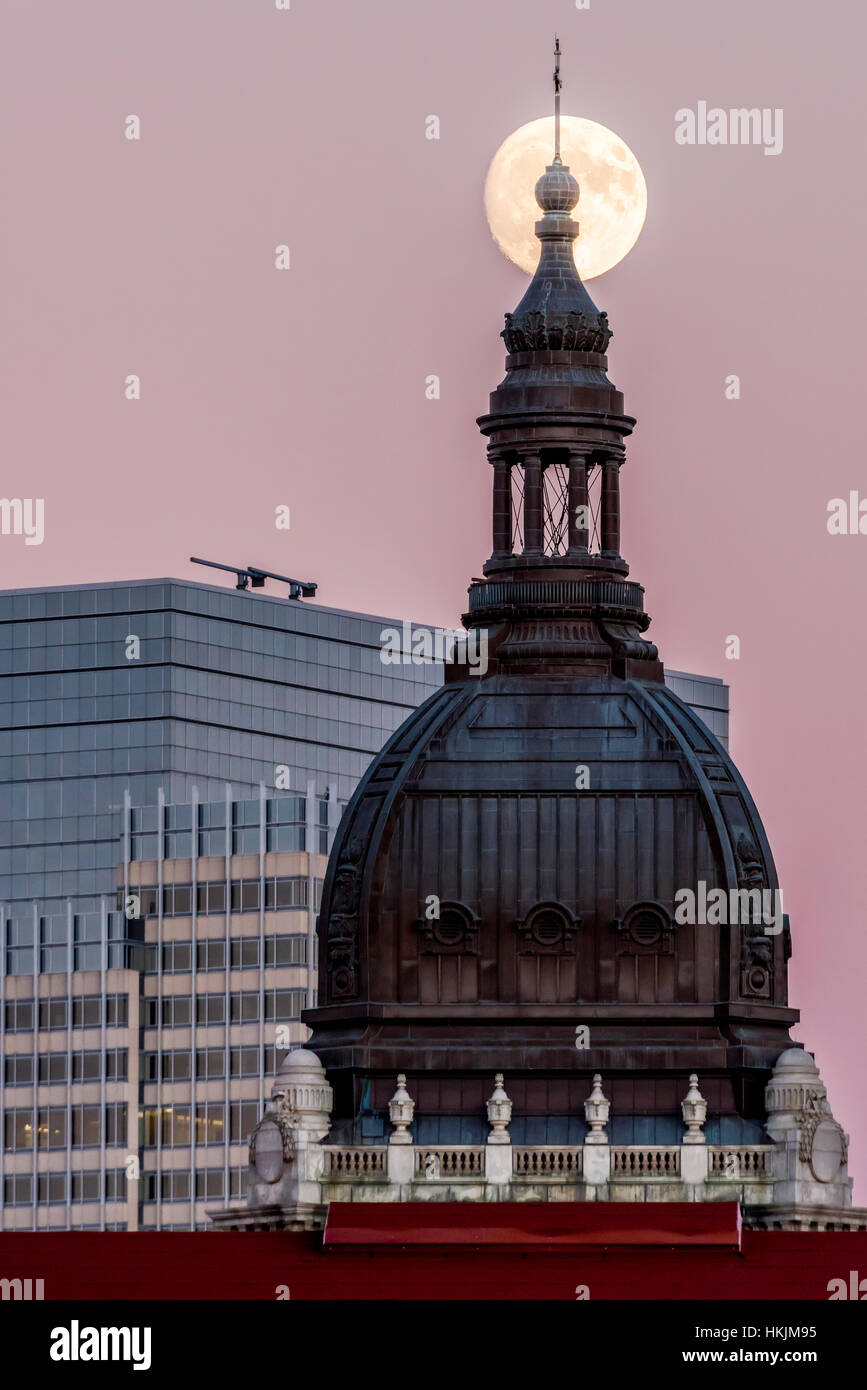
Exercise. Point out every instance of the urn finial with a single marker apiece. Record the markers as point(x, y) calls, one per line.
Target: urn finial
point(694, 1107)
point(499, 1113)
point(596, 1108)
point(401, 1109)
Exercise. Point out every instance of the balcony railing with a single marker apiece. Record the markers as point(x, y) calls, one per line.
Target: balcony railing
point(460, 1161)
point(350, 1165)
point(540, 1161)
point(734, 1162)
point(645, 1161)
point(548, 1163)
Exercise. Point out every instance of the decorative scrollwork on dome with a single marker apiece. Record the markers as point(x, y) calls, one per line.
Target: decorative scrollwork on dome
point(749, 859)
point(625, 639)
point(757, 960)
point(342, 930)
point(575, 331)
point(757, 948)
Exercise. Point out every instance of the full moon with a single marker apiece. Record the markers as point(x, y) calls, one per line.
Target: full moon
point(610, 211)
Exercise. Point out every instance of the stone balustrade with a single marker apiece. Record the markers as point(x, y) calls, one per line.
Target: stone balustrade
point(541, 1162)
point(352, 1165)
point(459, 1161)
point(552, 1163)
point(727, 1161)
point(645, 1161)
point(295, 1172)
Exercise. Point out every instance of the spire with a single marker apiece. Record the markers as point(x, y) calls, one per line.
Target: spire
point(555, 590)
point(557, 311)
point(557, 85)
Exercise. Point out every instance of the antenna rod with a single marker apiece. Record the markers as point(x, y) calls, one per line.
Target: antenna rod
point(298, 588)
point(238, 570)
point(557, 85)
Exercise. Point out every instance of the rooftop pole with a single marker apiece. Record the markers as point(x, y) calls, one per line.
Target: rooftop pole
point(557, 85)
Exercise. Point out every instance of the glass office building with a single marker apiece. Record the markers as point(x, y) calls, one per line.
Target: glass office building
point(174, 759)
point(708, 696)
point(132, 693)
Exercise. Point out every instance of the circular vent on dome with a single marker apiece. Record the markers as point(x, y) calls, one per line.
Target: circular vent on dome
point(645, 928)
point(548, 929)
point(451, 929)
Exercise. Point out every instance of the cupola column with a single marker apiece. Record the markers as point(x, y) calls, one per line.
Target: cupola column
point(579, 509)
point(610, 505)
point(532, 504)
point(502, 506)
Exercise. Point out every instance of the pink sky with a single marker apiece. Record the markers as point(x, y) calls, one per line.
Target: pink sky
point(306, 387)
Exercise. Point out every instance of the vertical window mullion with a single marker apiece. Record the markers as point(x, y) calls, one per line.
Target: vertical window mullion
point(159, 1117)
point(194, 1000)
point(103, 1116)
point(3, 920)
point(69, 963)
point(262, 833)
point(35, 1054)
point(227, 1007)
point(311, 832)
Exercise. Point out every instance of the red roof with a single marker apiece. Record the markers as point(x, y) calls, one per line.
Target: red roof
point(464, 1251)
point(527, 1225)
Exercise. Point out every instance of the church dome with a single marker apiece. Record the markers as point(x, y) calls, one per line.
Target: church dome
point(554, 844)
point(480, 904)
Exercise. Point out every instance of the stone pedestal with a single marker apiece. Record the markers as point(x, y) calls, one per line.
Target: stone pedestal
point(401, 1161)
point(597, 1164)
point(498, 1161)
point(693, 1165)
